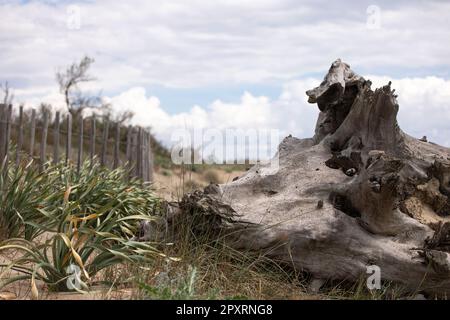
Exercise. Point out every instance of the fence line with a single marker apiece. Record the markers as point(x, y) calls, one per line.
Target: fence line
point(136, 152)
point(56, 128)
point(20, 138)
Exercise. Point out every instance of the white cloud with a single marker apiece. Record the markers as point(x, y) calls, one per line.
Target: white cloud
point(424, 106)
point(290, 113)
point(199, 43)
point(424, 110)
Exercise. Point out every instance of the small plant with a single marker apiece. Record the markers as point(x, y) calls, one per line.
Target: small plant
point(360, 291)
point(166, 173)
point(92, 250)
point(229, 169)
point(23, 193)
point(181, 287)
point(96, 189)
point(89, 218)
point(191, 185)
point(211, 176)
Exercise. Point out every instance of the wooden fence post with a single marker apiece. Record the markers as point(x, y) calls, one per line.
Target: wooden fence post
point(92, 140)
point(19, 136)
point(104, 142)
point(3, 111)
point(32, 132)
point(128, 150)
point(143, 164)
point(145, 158)
point(139, 159)
point(56, 128)
point(7, 136)
point(117, 147)
point(8, 128)
point(139, 154)
point(80, 144)
point(150, 158)
point(69, 139)
point(43, 145)
point(142, 154)
point(133, 153)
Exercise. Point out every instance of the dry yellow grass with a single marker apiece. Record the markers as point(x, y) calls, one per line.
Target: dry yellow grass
point(172, 184)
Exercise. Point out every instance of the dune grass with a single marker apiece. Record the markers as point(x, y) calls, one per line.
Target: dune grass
point(88, 218)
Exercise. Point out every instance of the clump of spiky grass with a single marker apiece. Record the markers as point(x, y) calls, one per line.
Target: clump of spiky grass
point(89, 217)
point(24, 191)
point(208, 268)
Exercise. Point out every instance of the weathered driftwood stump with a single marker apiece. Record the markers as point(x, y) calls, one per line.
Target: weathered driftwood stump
point(360, 192)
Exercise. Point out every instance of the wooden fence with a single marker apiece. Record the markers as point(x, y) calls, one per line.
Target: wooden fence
point(73, 141)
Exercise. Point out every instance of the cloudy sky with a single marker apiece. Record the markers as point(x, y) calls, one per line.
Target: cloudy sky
point(231, 63)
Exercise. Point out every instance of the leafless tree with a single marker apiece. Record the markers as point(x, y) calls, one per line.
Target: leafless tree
point(124, 116)
point(68, 81)
point(119, 117)
point(77, 101)
point(8, 96)
point(81, 102)
point(45, 108)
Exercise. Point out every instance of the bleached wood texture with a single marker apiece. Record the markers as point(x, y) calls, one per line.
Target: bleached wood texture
point(360, 192)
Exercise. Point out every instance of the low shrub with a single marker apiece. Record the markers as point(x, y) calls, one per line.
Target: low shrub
point(211, 176)
point(89, 218)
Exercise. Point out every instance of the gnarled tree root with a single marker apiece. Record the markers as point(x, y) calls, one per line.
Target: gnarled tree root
point(361, 192)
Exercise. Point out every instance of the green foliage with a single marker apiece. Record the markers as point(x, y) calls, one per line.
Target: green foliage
point(106, 193)
point(229, 169)
point(89, 218)
point(166, 173)
point(198, 168)
point(359, 291)
point(91, 249)
point(180, 288)
point(33, 202)
point(23, 193)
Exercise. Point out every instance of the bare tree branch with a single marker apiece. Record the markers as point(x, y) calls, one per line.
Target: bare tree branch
point(8, 96)
point(77, 101)
point(69, 80)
